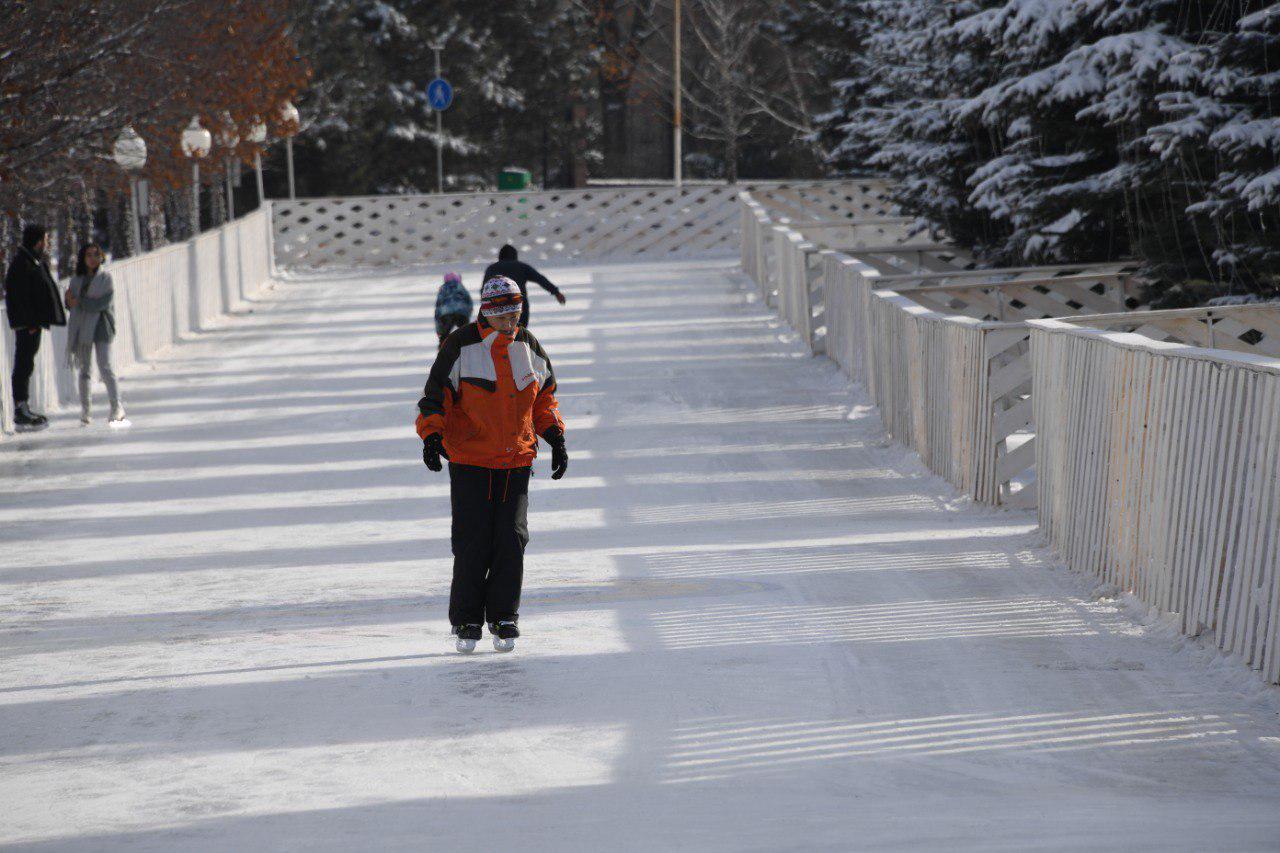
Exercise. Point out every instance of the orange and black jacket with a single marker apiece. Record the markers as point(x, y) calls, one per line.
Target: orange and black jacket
point(490, 397)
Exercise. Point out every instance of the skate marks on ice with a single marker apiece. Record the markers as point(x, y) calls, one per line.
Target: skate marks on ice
point(722, 748)
point(898, 622)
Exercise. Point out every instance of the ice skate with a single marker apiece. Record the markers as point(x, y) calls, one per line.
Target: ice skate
point(504, 636)
point(118, 419)
point(466, 637)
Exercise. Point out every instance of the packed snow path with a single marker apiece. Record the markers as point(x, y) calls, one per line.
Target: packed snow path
point(749, 622)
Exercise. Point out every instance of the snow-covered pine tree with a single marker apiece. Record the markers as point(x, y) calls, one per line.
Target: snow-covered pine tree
point(833, 33)
point(514, 67)
point(1076, 91)
point(903, 112)
point(1222, 129)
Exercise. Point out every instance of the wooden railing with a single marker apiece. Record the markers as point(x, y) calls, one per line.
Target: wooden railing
point(1159, 468)
point(941, 347)
point(1154, 451)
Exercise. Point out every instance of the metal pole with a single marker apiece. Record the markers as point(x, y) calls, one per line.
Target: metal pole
point(439, 133)
point(231, 199)
point(675, 59)
point(195, 198)
point(288, 152)
point(135, 233)
point(257, 167)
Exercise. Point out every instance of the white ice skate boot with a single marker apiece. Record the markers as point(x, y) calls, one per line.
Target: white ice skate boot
point(504, 635)
point(465, 638)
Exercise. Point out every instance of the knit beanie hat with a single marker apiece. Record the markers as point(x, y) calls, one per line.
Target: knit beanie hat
point(500, 295)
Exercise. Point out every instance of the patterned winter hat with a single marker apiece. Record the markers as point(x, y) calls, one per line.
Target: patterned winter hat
point(500, 295)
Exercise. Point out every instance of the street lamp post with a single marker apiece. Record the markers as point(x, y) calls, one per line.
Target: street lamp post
point(676, 128)
point(196, 144)
point(130, 153)
point(229, 139)
point(258, 136)
point(292, 121)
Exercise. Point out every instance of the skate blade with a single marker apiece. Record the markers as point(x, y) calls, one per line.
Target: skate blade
point(501, 645)
point(30, 427)
point(465, 646)
point(121, 424)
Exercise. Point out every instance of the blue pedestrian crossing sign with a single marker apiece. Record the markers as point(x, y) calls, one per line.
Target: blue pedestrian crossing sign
point(439, 94)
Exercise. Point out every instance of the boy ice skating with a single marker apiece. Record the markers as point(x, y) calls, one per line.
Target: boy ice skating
point(490, 394)
point(453, 306)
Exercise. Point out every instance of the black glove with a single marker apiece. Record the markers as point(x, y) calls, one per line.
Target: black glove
point(432, 450)
point(559, 456)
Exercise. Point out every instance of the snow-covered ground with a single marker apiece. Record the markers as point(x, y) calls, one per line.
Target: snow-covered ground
point(749, 622)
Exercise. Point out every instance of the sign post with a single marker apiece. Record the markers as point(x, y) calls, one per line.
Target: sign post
point(439, 96)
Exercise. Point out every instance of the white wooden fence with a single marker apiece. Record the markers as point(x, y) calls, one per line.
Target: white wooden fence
point(1159, 468)
point(159, 297)
point(1156, 462)
point(941, 348)
point(660, 222)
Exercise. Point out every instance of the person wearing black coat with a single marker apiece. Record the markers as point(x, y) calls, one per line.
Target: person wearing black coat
point(34, 304)
point(509, 265)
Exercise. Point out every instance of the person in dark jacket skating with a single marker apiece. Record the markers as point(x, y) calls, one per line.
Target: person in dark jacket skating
point(34, 304)
point(510, 266)
point(489, 396)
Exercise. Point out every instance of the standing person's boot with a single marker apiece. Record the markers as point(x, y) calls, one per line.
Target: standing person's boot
point(24, 418)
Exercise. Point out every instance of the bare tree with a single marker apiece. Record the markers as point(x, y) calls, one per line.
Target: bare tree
point(73, 73)
point(740, 74)
point(621, 31)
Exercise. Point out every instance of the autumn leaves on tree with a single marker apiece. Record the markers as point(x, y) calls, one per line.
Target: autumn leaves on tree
point(75, 74)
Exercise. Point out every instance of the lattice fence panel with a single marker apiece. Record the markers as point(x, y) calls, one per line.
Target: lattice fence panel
point(661, 222)
point(1252, 329)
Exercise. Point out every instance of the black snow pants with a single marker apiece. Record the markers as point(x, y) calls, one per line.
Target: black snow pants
point(490, 531)
point(24, 362)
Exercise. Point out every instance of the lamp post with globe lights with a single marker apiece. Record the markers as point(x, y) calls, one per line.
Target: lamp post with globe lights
point(229, 139)
point(130, 154)
point(258, 136)
point(292, 122)
point(196, 144)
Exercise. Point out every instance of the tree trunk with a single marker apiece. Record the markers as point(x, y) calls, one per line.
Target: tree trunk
point(613, 121)
point(66, 243)
point(217, 203)
point(118, 227)
point(156, 226)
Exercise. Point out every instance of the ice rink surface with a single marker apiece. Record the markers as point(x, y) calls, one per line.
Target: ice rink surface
point(749, 622)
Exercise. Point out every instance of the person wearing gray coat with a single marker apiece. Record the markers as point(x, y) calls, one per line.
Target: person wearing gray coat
point(90, 330)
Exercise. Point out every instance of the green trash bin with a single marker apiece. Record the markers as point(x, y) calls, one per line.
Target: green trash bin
point(512, 178)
